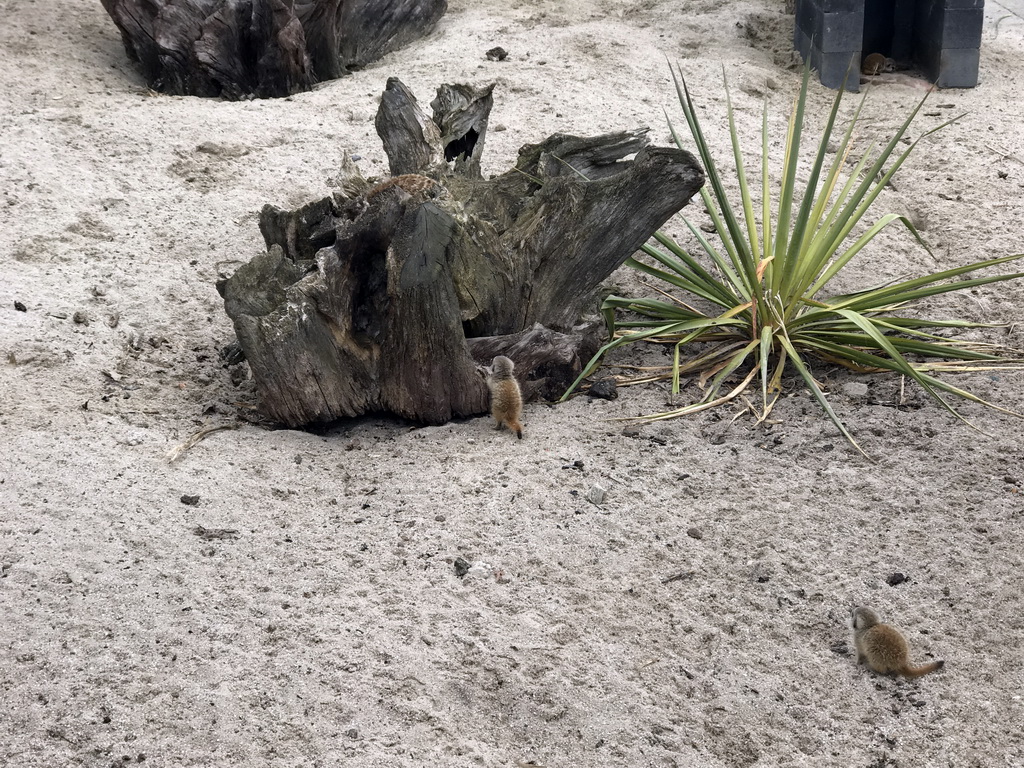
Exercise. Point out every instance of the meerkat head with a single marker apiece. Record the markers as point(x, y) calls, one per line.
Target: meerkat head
point(863, 618)
point(502, 366)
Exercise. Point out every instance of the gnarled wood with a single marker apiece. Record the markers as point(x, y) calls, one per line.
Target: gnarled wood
point(386, 297)
point(263, 48)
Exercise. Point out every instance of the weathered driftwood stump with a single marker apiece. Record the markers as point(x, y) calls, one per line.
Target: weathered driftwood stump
point(263, 48)
point(386, 297)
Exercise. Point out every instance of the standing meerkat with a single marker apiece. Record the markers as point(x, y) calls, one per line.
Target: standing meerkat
point(506, 399)
point(883, 648)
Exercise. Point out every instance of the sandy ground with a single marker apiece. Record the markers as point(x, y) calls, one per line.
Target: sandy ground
point(698, 617)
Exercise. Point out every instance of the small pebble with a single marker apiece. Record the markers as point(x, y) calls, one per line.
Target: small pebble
point(695, 533)
point(461, 567)
point(896, 578)
point(20, 307)
point(189, 500)
point(80, 318)
point(606, 389)
point(855, 389)
point(480, 570)
point(596, 495)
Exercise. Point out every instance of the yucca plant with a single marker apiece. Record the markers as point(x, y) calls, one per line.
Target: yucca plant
point(767, 282)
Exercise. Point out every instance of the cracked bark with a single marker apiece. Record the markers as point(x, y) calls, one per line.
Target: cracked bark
point(386, 298)
point(240, 49)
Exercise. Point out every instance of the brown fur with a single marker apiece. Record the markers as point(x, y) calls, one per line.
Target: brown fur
point(506, 398)
point(882, 648)
point(412, 183)
point(876, 64)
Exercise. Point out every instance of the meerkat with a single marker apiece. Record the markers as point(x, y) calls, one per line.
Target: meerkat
point(876, 64)
point(419, 188)
point(412, 183)
point(506, 398)
point(882, 648)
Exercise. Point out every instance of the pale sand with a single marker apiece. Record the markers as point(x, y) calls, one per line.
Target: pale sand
point(333, 629)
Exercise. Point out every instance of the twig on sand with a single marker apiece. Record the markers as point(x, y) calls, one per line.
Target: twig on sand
point(215, 533)
point(1003, 153)
point(179, 450)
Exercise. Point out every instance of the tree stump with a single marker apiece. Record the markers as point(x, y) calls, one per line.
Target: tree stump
point(386, 297)
point(264, 48)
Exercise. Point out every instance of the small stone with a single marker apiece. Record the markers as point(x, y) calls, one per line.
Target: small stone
point(461, 567)
point(855, 390)
point(20, 307)
point(480, 570)
point(191, 501)
point(232, 354)
point(80, 318)
point(497, 54)
point(606, 389)
point(352, 733)
point(896, 578)
point(695, 533)
point(633, 430)
point(597, 494)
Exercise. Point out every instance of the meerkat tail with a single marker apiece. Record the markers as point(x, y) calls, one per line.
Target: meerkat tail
point(922, 670)
point(516, 427)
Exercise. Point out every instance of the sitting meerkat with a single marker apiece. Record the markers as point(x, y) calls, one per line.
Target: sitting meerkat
point(882, 647)
point(875, 64)
point(506, 399)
